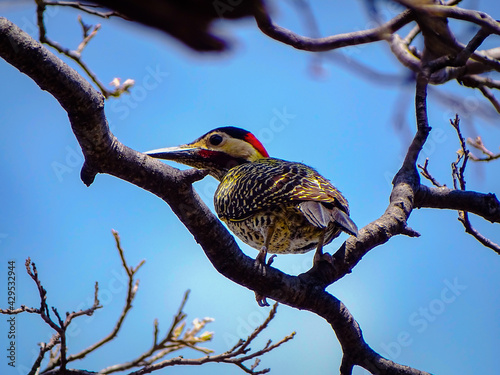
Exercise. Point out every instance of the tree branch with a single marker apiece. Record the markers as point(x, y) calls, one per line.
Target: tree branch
point(104, 154)
point(268, 27)
point(236, 355)
point(484, 205)
point(478, 144)
point(425, 172)
point(132, 287)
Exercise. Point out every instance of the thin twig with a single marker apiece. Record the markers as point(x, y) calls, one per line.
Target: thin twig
point(75, 55)
point(44, 348)
point(478, 144)
point(87, 8)
point(237, 355)
point(459, 179)
point(463, 217)
point(131, 292)
point(427, 175)
point(168, 344)
point(490, 96)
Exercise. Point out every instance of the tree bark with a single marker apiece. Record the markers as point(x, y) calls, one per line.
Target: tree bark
point(105, 154)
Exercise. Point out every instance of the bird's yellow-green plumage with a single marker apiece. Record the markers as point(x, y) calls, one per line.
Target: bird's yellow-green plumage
point(271, 204)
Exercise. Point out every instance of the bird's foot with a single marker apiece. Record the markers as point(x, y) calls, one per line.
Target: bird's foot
point(260, 260)
point(261, 300)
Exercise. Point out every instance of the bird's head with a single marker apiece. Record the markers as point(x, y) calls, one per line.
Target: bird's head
point(218, 151)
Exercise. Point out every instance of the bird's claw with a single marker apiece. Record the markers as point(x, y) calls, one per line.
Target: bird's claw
point(261, 300)
point(260, 260)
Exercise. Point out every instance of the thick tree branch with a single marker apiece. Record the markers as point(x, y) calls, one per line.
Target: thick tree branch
point(393, 222)
point(104, 154)
point(484, 205)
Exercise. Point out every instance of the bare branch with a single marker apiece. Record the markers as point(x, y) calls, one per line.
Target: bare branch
point(484, 205)
point(286, 36)
point(86, 36)
point(489, 95)
point(59, 338)
point(87, 8)
point(478, 144)
point(170, 343)
point(132, 286)
point(425, 172)
point(462, 154)
point(104, 154)
point(479, 18)
point(458, 175)
point(236, 355)
point(463, 217)
point(44, 348)
point(76, 54)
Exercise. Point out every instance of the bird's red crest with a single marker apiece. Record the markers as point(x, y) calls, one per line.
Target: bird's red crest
point(250, 138)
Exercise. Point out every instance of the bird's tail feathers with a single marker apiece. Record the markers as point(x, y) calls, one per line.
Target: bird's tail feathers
point(344, 221)
point(319, 215)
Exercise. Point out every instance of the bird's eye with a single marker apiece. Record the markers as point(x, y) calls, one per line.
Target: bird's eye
point(215, 139)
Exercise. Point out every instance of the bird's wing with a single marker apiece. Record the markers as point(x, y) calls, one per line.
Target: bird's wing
point(314, 187)
point(267, 183)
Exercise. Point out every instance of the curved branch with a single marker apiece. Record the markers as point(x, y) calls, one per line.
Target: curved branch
point(479, 18)
point(268, 27)
point(393, 222)
point(104, 154)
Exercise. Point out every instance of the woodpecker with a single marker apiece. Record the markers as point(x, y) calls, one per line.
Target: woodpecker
point(273, 205)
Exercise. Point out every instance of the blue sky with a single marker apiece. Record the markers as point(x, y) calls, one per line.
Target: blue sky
point(430, 302)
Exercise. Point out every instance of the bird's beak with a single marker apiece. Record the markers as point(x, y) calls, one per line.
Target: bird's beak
point(189, 154)
point(178, 153)
point(197, 156)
